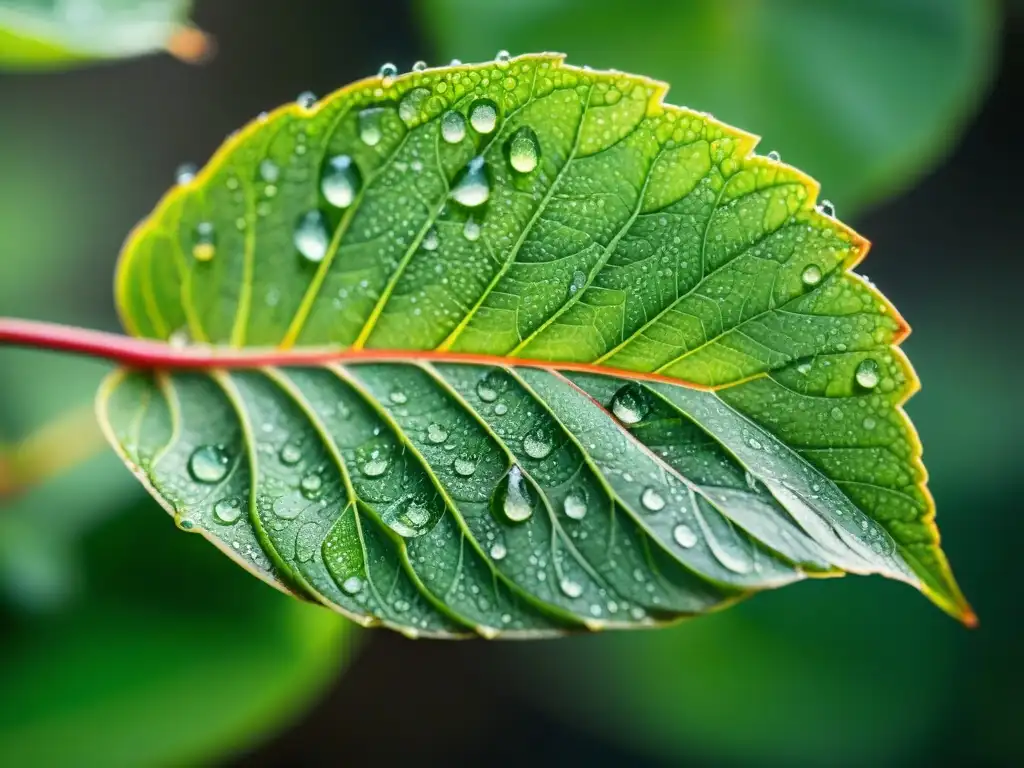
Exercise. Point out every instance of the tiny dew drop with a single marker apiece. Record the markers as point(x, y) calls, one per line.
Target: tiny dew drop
point(371, 129)
point(775, 156)
point(628, 405)
point(472, 187)
point(500, 409)
point(352, 585)
point(290, 454)
point(453, 127)
point(204, 244)
point(867, 374)
point(575, 506)
point(684, 536)
point(570, 588)
point(471, 230)
point(523, 150)
point(537, 444)
point(652, 500)
point(515, 501)
point(411, 105)
point(185, 173)
point(579, 279)
point(208, 464)
point(431, 240)
point(483, 116)
point(270, 171)
point(227, 511)
point(375, 466)
point(398, 397)
point(311, 238)
point(498, 551)
point(419, 66)
point(306, 99)
point(502, 57)
point(811, 275)
point(387, 73)
point(436, 433)
point(464, 466)
point(310, 485)
point(485, 390)
point(340, 181)
point(828, 208)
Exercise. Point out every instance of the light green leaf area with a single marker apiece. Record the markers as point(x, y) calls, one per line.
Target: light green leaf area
point(584, 360)
point(59, 33)
point(867, 94)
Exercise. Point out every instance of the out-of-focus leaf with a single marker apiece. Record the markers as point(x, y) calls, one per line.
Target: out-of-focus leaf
point(864, 94)
point(167, 656)
point(629, 375)
point(46, 34)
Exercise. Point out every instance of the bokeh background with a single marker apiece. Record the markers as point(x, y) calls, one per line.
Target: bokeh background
point(126, 642)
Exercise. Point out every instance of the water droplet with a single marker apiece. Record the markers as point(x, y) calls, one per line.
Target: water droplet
point(868, 374)
point(471, 230)
point(629, 405)
point(431, 240)
point(290, 454)
point(837, 413)
point(652, 500)
point(570, 588)
point(398, 397)
point(773, 155)
point(537, 444)
point(306, 99)
point(523, 150)
point(411, 105)
point(436, 433)
point(472, 187)
point(828, 208)
point(754, 443)
point(869, 423)
point(516, 503)
point(464, 466)
point(352, 585)
point(408, 519)
point(311, 238)
point(455, 63)
point(811, 274)
point(227, 511)
point(453, 127)
point(419, 66)
point(340, 181)
point(204, 243)
point(575, 506)
point(500, 409)
point(185, 173)
point(486, 391)
point(179, 339)
point(269, 171)
point(375, 467)
point(371, 129)
point(684, 536)
point(387, 73)
point(502, 57)
point(311, 485)
point(498, 551)
point(208, 464)
point(579, 279)
point(483, 116)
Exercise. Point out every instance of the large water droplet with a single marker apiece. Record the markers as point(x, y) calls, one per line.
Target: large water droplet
point(431, 240)
point(652, 500)
point(408, 519)
point(352, 585)
point(502, 56)
point(684, 536)
point(340, 181)
point(375, 467)
point(185, 173)
point(472, 187)
point(867, 374)
point(371, 126)
point(516, 503)
point(311, 238)
point(306, 99)
point(483, 116)
point(471, 230)
point(523, 150)
point(570, 588)
point(774, 156)
point(498, 551)
point(575, 506)
point(311, 485)
point(208, 464)
point(464, 466)
point(227, 511)
point(579, 279)
point(411, 105)
point(290, 454)
point(453, 127)
point(436, 433)
point(419, 66)
point(398, 397)
point(828, 208)
point(204, 242)
point(537, 444)
point(269, 171)
point(485, 390)
point(628, 405)
point(811, 275)
point(387, 73)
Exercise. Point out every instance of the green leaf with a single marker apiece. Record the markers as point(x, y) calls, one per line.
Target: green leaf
point(869, 94)
point(44, 34)
point(539, 353)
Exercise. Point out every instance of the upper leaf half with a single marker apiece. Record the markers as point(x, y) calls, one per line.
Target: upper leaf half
point(582, 359)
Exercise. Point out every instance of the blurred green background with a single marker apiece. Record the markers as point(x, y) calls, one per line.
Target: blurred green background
point(126, 642)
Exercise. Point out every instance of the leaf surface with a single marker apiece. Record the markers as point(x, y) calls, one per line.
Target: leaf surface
point(44, 34)
point(546, 354)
